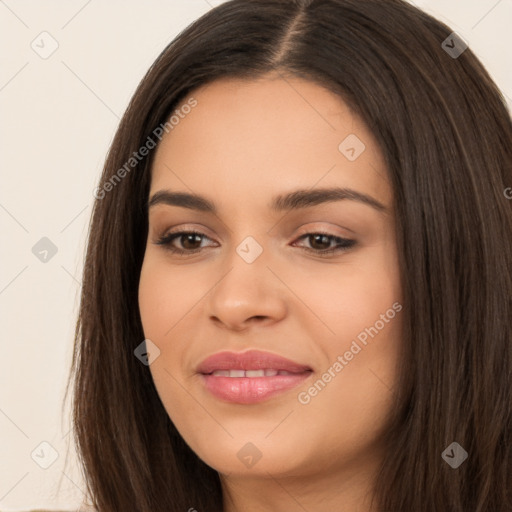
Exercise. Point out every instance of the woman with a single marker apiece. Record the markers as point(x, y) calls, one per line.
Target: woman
point(297, 288)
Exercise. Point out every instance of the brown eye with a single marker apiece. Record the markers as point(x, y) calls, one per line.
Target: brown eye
point(320, 243)
point(190, 241)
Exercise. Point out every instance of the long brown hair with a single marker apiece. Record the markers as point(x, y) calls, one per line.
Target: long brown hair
point(446, 135)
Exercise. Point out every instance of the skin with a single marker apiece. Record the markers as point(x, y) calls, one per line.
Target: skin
point(243, 143)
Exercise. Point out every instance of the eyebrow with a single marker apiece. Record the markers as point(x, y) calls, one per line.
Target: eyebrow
point(296, 200)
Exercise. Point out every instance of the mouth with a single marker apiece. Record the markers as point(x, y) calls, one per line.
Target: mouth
point(250, 377)
point(251, 374)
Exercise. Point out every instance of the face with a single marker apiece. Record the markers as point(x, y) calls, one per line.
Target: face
point(311, 280)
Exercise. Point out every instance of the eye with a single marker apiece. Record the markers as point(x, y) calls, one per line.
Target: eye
point(318, 242)
point(190, 242)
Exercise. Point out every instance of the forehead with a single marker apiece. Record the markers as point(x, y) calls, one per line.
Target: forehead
point(273, 132)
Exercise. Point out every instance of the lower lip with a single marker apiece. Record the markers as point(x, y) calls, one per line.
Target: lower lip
point(250, 390)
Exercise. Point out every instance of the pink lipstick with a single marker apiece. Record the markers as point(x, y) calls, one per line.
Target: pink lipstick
point(250, 377)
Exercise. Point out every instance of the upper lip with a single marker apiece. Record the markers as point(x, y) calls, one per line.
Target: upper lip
point(250, 360)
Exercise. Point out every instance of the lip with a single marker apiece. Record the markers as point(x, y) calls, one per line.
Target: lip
point(249, 360)
point(248, 390)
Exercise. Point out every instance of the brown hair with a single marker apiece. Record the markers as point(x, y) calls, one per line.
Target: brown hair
point(446, 136)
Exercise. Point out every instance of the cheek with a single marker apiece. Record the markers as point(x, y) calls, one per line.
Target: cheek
point(353, 394)
point(165, 296)
point(359, 305)
point(346, 298)
point(154, 296)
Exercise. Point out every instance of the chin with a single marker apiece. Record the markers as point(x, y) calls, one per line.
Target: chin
point(254, 456)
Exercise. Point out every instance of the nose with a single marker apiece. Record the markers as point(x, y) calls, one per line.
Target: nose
point(247, 294)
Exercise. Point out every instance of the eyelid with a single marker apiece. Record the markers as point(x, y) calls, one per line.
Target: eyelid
point(342, 244)
point(311, 227)
point(303, 230)
point(188, 228)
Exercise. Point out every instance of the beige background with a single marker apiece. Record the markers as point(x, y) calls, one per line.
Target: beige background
point(58, 116)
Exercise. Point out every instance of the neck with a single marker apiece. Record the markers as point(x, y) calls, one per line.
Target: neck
point(343, 490)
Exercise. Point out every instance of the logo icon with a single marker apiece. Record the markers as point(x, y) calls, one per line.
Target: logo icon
point(45, 45)
point(454, 45)
point(44, 455)
point(454, 455)
point(249, 455)
point(249, 249)
point(351, 147)
point(147, 352)
point(44, 250)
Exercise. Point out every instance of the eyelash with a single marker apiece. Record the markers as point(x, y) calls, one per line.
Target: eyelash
point(344, 243)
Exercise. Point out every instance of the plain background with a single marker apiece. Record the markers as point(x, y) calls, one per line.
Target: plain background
point(58, 117)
